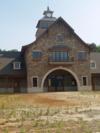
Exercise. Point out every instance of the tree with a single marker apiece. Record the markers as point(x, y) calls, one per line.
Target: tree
point(93, 47)
point(98, 48)
point(13, 50)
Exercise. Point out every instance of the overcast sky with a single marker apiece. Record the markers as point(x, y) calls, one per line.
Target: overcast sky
point(18, 19)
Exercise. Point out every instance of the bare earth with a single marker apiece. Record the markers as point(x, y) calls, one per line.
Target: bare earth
point(63, 112)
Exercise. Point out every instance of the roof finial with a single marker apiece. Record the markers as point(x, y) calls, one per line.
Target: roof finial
point(48, 9)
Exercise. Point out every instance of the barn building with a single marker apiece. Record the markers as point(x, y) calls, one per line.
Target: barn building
point(58, 60)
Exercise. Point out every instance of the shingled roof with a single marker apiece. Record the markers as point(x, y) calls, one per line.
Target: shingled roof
point(60, 19)
point(6, 63)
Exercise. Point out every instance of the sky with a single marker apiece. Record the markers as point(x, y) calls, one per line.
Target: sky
point(18, 19)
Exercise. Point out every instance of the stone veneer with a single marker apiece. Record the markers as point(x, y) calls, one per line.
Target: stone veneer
point(40, 67)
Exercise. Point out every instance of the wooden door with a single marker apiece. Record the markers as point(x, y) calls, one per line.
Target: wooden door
point(17, 86)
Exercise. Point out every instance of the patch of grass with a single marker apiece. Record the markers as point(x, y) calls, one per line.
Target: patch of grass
point(22, 130)
point(5, 130)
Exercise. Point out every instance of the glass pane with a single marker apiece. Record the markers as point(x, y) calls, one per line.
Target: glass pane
point(92, 65)
point(82, 55)
point(65, 54)
point(36, 54)
point(34, 82)
point(53, 56)
point(84, 81)
point(62, 56)
point(59, 56)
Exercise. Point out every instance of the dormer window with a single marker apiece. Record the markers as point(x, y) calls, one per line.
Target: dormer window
point(16, 65)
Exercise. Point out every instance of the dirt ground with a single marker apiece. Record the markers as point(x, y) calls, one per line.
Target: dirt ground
point(63, 112)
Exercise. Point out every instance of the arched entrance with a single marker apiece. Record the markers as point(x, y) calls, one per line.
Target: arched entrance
point(60, 79)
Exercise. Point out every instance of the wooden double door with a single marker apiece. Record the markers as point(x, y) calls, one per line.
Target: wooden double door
point(60, 80)
point(56, 83)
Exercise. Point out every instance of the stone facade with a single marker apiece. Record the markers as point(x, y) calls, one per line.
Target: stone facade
point(39, 68)
point(59, 66)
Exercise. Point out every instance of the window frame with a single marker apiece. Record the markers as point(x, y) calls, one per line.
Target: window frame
point(14, 65)
point(78, 55)
point(91, 67)
point(86, 80)
point(59, 56)
point(37, 58)
point(37, 81)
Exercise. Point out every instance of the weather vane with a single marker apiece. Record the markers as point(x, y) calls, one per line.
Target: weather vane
point(48, 3)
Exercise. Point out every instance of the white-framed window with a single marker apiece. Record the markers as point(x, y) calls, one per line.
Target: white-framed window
point(82, 55)
point(92, 65)
point(35, 81)
point(84, 80)
point(16, 65)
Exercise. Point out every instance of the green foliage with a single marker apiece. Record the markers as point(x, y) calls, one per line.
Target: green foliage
point(94, 47)
point(5, 130)
point(98, 48)
point(22, 130)
point(12, 50)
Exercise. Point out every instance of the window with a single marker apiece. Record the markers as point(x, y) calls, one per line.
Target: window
point(36, 54)
point(34, 81)
point(82, 55)
point(59, 56)
point(84, 80)
point(60, 38)
point(16, 65)
point(92, 65)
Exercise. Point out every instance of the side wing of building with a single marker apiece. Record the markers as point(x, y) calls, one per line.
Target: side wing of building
point(12, 72)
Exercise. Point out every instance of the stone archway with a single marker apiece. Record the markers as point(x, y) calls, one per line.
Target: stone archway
point(60, 79)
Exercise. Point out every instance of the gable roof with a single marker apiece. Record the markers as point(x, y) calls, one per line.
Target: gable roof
point(9, 54)
point(60, 19)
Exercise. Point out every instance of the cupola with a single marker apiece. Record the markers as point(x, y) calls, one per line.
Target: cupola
point(45, 22)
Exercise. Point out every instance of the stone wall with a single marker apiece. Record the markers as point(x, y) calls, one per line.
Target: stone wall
point(10, 84)
point(41, 67)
